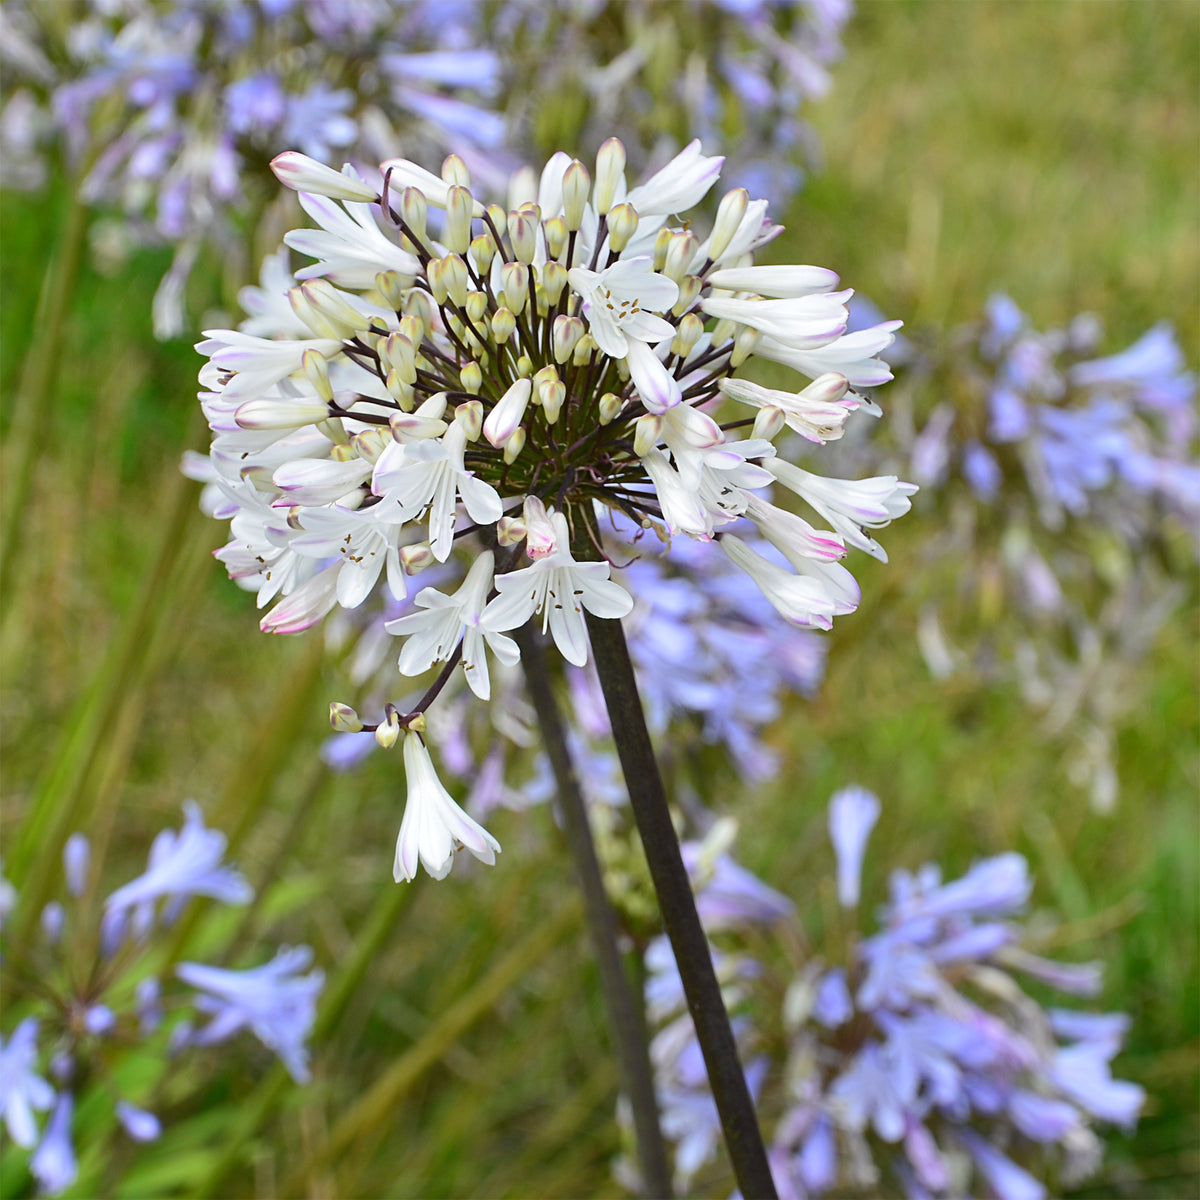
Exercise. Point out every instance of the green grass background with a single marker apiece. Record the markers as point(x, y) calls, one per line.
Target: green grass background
point(1046, 148)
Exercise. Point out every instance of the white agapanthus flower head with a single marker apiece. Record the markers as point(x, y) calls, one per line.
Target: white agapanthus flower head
point(484, 385)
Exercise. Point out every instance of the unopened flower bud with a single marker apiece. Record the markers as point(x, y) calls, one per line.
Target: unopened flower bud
point(414, 210)
point(413, 327)
point(77, 863)
point(510, 531)
point(434, 406)
point(514, 445)
point(316, 321)
point(523, 226)
point(399, 390)
point(456, 277)
point(610, 404)
point(680, 253)
point(391, 285)
point(481, 251)
point(827, 388)
point(416, 557)
point(508, 413)
point(723, 331)
point(575, 186)
point(280, 414)
point(553, 279)
point(729, 217)
point(303, 174)
point(584, 349)
point(469, 415)
point(646, 433)
point(553, 395)
point(344, 452)
point(343, 718)
point(768, 422)
point(622, 225)
point(454, 170)
point(567, 332)
point(54, 918)
point(399, 354)
point(610, 170)
point(471, 377)
point(662, 243)
point(556, 232)
point(334, 430)
point(503, 324)
point(497, 217)
point(689, 293)
point(524, 366)
point(744, 345)
point(687, 334)
point(514, 280)
point(387, 732)
point(435, 271)
point(476, 305)
point(460, 208)
point(413, 427)
point(367, 445)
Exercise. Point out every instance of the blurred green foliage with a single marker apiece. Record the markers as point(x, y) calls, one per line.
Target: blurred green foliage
point(1047, 150)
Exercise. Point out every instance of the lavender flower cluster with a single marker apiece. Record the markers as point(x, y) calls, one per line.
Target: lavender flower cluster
point(162, 107)
point(159, 108)
point(1066, 488)
point(912, 1063)
point(83, 993)
point(733, 73)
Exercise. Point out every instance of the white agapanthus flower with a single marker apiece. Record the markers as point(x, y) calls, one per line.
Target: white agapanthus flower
point(482, 396)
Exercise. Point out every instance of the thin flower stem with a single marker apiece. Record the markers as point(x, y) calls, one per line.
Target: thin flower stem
point(627, 1026)
point(648, 797)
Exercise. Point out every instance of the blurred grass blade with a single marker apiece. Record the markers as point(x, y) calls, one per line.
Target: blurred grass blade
point(376, 1110)
point(33, 409)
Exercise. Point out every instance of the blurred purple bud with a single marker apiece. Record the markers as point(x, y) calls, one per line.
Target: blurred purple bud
point(54, 917)
point(852, 815)
point(77, 860)
point(141, 1125)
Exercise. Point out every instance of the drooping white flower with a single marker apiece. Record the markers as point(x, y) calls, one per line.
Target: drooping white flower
point(854, 355)
point(433, 634)
point(803, 601)
point(817, 413)
point(560, 589)
point(434, 828)
point(849, 505)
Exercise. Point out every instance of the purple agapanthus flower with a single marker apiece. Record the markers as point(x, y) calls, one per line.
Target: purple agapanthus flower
point(919, 1058)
